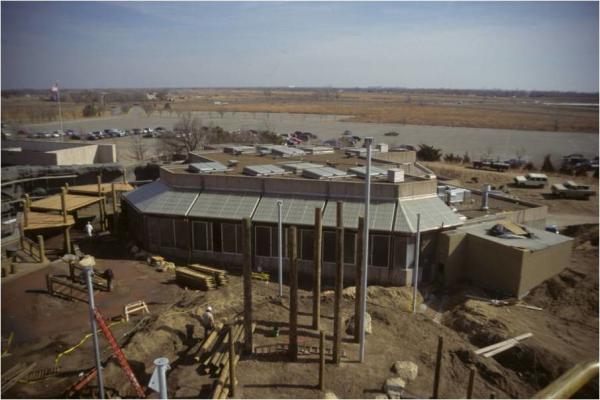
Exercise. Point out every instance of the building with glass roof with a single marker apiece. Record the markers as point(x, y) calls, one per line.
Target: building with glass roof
point(195, 215)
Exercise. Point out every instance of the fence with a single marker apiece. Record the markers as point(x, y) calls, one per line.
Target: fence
point(33, 249)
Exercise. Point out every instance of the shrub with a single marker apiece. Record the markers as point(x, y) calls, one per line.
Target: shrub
point(428, 153)
point(529, 166)
point(547, 166)
point(466, 159)
point(451, 157)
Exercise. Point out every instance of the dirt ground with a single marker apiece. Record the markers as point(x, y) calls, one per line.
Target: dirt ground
point(565, 333)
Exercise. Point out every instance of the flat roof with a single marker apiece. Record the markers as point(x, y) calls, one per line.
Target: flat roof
point(41, 145)
point(104, 187)
point(540, 240)
point(435, 214)
point(158, 198)
point(40, 220)
point(73, 202)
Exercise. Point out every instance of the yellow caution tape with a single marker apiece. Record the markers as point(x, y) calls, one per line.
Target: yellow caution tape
point(82, 341)
point(9, 341)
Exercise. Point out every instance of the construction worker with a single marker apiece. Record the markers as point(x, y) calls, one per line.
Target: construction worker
point(208, 321)
point(89, 229)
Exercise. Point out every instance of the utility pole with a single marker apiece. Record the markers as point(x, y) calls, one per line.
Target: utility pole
point(365, 253)
point(88, 272)
point(280, 246)
point(416, 270)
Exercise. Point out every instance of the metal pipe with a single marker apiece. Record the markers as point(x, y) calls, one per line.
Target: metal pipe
point(363, 292)
point(162, 365)
point(88, 273)
point(416, 269)
point(485, 197)
point(280, 246)
point(570, 382)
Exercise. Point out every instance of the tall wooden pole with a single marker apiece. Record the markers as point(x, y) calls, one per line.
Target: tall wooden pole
point(438, 367)
point(124, 175)
point(99, 180)
point(103, 213)
point(471, 381)
point(339, 286)
point(358, 277)
point(293, 257)
point(318, 261)
point(63, 203)
point(26, 211)
point(42, 248)
point(114, 207)
point(231, 361)
point(248, 342)
point(322, 360)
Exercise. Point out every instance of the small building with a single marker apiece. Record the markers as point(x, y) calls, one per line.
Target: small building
point(501, 256)
point(36, 152)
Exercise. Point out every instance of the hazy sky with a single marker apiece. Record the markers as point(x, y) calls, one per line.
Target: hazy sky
point(544, 46)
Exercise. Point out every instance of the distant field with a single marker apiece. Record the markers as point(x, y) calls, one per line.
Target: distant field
point(545, 113)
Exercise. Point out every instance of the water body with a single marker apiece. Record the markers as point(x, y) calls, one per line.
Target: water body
point(500, 143)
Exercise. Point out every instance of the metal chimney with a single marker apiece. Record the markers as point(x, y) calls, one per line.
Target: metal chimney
point(448, 196)
point(484, 197)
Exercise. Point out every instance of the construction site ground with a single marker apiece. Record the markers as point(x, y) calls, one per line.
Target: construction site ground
point(565, 332)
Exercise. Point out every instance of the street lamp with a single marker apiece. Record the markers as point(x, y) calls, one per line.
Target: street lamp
point(365, 260)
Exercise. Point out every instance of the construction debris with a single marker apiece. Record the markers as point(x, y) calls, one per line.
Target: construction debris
point(135, 307)
point(499, 347)
point(200, 276)
point(13, 375)
point(406, 370)
point(218, 274)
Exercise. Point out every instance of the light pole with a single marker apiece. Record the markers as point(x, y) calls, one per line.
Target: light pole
point(416, 270)
point(280, 246)
point(87, 272)
point(365, 259)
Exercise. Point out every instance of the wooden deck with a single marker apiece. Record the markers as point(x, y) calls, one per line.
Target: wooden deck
point(73, 202)
point(37, 220)
point(105, 187)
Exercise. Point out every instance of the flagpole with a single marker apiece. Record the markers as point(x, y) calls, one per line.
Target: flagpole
point(59, 108)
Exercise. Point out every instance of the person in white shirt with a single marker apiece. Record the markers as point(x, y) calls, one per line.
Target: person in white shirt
point(89, 229)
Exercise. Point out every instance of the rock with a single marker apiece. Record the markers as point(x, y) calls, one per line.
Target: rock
point(70, 258)
point(381, 396)
point(349, 292)
point(134, 249)
point(350, 324)
point(392, 394)
point(394, 384)
point(87, 262)
point(169, 266)
point(407, 370)
point(330, 395)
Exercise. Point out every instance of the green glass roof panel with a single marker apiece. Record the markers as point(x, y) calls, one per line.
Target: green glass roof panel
point(435, 214)
point(294, 210)
point(381, 214)
point(224, 205)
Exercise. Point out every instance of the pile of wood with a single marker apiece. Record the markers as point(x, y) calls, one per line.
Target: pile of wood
point(219, 275)
point(12, 376)
point(213, 356)
point(191, 278)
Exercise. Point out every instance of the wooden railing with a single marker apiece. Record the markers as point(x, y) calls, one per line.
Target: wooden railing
point(35, 250)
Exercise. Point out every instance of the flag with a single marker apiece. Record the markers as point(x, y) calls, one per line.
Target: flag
point(54, 91)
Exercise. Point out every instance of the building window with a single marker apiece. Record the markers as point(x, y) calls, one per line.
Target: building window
point(201, 236)
point(262, 235)
point(306, 245)
point(329, 246)
point(167, 233)
point(231, 239)
point(153, 226)
point(216, 237)
point(349, 247)
point(380, 250)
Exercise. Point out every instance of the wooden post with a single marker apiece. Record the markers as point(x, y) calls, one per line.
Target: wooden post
point(22, 237)
point(26, 211)
point(28, 200)
point(231, 361)
point(438, 367)
point(49, 284)
point(103, 219)
point(248, 342)
point(42, 248)
point(99, 179)
point(293, 257)
point(339, 287)
point(318, 261)
point(67, 186)
point(63, 203)
point(471, 381)
point(321, 360)
point(114, 207)
point(358, 277)
point(68, 239)
point(124, 175)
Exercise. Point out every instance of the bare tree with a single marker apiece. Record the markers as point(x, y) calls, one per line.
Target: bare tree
point(188, 134)
point(139, 150)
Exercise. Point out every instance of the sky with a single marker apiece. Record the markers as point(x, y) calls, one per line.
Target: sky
point(458, 45)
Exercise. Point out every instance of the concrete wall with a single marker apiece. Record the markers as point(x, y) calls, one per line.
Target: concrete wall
point(541, 265)
point(293, 186)
point(44, 153)
point(396, 157)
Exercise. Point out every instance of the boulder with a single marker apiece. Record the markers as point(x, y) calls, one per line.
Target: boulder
point(407, 370)
point(394, 384)
point(381, 396)
point(330, 395)
point(350, 324)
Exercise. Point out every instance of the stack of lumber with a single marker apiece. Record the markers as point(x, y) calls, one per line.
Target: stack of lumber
point(195, 279)
point(497, 348)
point(219, 275)
point(14, 374)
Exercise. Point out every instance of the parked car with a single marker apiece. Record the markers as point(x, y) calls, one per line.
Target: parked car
point(497, 165)
point(572, 190)
point(531, 180)
point(136, 131)
point(92, 136)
